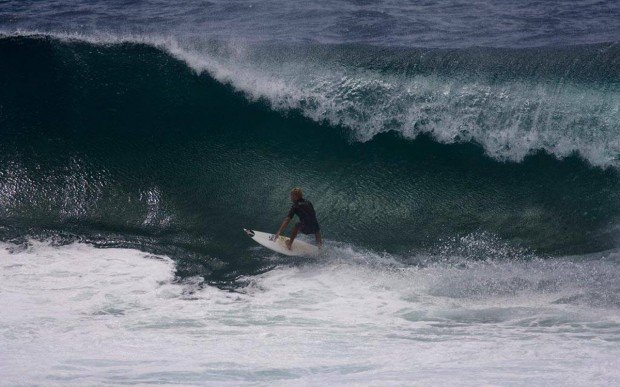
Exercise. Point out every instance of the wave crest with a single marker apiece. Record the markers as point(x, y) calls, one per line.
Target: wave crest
point(511, 102)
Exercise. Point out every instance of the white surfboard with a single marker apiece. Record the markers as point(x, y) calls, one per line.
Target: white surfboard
point(300, 248)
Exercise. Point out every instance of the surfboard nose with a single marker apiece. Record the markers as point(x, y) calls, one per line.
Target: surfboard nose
point(249, 232)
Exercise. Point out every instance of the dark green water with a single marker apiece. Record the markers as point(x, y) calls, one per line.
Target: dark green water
point(125, 145)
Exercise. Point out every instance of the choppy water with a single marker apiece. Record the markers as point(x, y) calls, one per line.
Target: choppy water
point(463, 159)
point(90, 316)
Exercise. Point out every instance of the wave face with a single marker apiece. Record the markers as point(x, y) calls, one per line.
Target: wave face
point(169, 146)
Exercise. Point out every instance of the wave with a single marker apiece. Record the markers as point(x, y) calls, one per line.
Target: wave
point(512, 102)
point(123, 140)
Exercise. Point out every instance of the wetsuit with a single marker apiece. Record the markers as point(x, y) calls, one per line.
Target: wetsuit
point(307, 217)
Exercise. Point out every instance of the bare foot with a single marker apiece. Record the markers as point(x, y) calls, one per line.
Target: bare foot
point(289, 244)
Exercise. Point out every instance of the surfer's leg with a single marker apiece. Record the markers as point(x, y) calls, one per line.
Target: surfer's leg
point(289, 243)
point(319, 241)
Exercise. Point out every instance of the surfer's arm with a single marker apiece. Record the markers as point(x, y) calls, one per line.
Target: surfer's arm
point(283, 227)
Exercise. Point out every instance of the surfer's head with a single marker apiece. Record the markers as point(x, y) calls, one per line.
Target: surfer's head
point(296, 194)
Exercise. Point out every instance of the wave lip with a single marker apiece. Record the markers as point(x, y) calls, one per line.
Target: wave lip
point(513, 103)
point(511, 114)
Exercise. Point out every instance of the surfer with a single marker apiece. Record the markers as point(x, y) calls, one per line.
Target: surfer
point(308, 224)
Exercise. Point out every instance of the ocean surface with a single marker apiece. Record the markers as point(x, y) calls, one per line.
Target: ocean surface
point(463, 158)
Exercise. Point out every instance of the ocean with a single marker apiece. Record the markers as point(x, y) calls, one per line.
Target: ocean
point(463, 159)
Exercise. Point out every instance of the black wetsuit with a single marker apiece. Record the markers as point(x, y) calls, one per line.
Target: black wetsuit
point(307, 217)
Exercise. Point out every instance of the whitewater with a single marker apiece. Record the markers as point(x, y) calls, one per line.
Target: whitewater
point(96, 316)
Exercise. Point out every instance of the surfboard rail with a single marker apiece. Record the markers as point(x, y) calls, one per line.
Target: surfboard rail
point(300, 248)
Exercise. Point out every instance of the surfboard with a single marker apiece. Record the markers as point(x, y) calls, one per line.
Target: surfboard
point(300, 248)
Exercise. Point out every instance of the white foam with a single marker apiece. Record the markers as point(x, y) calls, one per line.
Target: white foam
point(510, 120)
point(77, 314)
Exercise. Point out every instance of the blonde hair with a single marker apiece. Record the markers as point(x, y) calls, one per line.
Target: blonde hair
point(297, 192)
